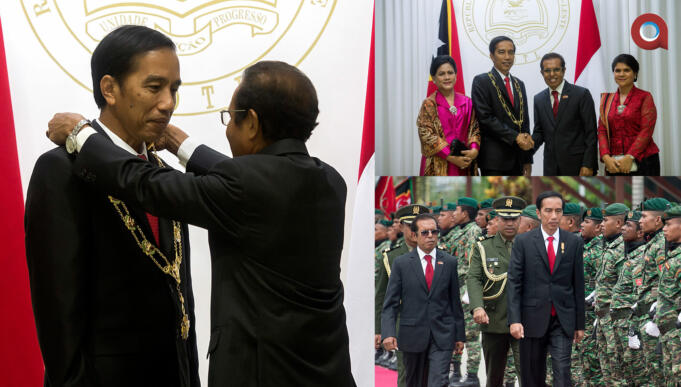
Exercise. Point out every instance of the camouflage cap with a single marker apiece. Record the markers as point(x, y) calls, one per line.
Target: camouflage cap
point(572, 209)
point(470, 202)
point(486, 204)
point(407, 213)
point(530, 212)
point(672, 212)
point(594, 213)
point(655, 204)
point(615, 209)
point(509, 206)
point(633, 216)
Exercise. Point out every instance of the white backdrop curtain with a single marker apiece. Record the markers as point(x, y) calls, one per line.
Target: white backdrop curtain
point(406, 33)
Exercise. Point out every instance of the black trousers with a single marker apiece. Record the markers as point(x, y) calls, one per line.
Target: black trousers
point(533, 352)
point(649, 166)
point(429, 368)
point(495, 350)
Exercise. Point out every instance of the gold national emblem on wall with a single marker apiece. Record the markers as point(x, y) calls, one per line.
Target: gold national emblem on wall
point(536, 26)
point(216, 40)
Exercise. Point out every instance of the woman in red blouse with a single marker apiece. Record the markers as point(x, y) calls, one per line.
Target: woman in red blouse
point(626, 124)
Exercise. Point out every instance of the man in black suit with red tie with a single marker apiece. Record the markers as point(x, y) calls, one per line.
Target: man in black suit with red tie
point(564, 119)
point(424, 291)
point(500, 103)
point(546, 295)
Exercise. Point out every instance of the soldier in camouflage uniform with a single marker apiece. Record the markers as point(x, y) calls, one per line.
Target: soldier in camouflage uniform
point(624, 297)
point(668, 316)
point(405, 215)
point(593, 250)
point(459, 246)
point(606, 278)
point(651, 223)
point(486, 288)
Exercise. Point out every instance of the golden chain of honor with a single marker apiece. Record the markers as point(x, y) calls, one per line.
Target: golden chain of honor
point(491, 278)
point(518, 122)
point(150, 250)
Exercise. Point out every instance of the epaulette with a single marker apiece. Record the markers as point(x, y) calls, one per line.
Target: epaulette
point(484, 237)
point(392, 248)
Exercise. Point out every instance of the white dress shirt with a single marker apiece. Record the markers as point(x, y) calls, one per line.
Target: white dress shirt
point(88, 131)
point(559, 89)
point(510, 80)
point(424, 263)
point(555, 240)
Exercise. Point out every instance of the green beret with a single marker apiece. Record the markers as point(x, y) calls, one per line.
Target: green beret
point(386, 223)
point(436, 209)
point(615, 209)
point(594, 213)
point(449, 207)
point(633, 216)
point(672, 212)
point(491, 215)
point(378, 212)
point(470, 202)
point(509, 206)
point(407, 213)
point(572, 209)
point(655, 204)
point(487, 203)
point(530, 212)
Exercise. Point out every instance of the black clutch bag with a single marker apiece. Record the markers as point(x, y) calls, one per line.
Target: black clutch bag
point(456, 147)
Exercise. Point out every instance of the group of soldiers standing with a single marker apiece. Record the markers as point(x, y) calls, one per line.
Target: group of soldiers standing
point(632, 271)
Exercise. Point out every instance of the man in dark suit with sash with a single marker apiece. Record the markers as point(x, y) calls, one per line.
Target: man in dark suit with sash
point(424, 291)
point(500, 103)
point(564, 119)
point(546, 295)
point(110, 283)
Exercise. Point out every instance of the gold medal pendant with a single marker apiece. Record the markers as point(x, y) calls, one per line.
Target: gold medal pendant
point(184, 326)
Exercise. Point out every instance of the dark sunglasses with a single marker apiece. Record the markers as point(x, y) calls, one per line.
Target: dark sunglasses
point(435, 232)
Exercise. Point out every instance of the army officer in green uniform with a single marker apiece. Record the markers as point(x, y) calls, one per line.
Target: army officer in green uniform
point(487, 289)
point(405, 215)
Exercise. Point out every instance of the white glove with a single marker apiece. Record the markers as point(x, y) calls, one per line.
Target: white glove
point(651, 329)
point(465, 299)
point(679, 318)
point(633, 307)
point(634, 342)
point(652, 307)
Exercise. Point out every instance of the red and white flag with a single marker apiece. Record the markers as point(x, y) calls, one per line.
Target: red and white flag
point(360, 258)
point(589, 64)
point(20, 361)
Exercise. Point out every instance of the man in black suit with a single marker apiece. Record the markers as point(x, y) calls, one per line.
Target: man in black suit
point(424, 290)
point(275, 220)
point(564, 118)
point(110, 284)
point(546, 295)
point(500, 102)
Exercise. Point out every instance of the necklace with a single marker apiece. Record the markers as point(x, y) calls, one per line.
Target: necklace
point(620, 108)
point(452, 109)
point(520, 120)
point(148, 248)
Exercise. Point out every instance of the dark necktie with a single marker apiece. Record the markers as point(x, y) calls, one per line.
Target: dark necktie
point(429, 270)
point(153, 221)
point(555, 103)
point(508, 90)
point(552, 260)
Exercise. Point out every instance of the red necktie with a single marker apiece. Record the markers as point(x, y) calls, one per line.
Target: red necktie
point(552, 260)
point(429, 270)
point(508, 90)
point(153, 221)
point(555, 103)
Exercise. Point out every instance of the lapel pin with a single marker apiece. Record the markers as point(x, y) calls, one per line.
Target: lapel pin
point(439, 263)
point(564, 97)
point(562, 247)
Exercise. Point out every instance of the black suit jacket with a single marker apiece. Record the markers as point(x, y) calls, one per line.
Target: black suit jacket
point(423, 312)
point(571, 138)
point(105, 314)
point(532, 288)
point(498, 146)
point(275, 228)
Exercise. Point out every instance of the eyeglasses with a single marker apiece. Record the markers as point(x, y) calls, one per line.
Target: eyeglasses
point(428, 232)
point(226, 115)
point(553, 70)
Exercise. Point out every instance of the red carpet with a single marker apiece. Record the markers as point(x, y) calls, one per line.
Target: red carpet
point(385, 377)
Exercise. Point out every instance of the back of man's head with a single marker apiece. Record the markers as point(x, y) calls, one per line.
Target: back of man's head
point(282, 96)
point(116, 54)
